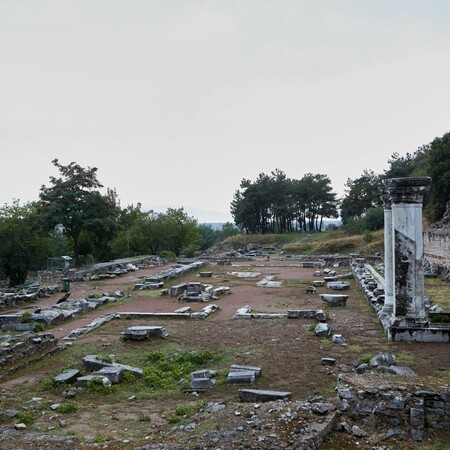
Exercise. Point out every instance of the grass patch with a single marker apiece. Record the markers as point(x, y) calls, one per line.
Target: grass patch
point(26, 417)
point(182, 413)
point(438, 291)
point(163, 372)
point(405, 358)
point(67, 407)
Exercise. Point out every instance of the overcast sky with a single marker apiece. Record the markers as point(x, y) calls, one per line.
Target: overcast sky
point(176, 101)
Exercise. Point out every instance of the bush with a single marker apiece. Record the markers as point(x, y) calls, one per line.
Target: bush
point(68, 407)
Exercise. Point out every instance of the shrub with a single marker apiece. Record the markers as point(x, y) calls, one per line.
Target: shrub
point(68, 407)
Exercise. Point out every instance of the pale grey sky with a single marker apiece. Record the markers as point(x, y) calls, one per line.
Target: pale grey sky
point(176, 101)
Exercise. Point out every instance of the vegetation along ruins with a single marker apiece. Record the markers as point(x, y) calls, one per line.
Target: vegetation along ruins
point(310, 322)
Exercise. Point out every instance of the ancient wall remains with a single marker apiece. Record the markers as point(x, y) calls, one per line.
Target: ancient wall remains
point(437, 245)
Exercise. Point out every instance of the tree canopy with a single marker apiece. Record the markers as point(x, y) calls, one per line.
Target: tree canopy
point(74, 203)
point(276, 204)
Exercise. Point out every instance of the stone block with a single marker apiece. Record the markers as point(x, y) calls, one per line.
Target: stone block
point(301, 313)
point(334, 300)
point(139, 333)
point(241, 377)
point(203, 374)
point(322, 330)
point(85, 380)
point(256, 395)
point(240, 368)
point(202, 383)
point(67, 377)
point(338, 339)
point(328, 361)
point(114, 374)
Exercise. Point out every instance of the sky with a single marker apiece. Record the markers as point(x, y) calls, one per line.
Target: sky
point(175, 102)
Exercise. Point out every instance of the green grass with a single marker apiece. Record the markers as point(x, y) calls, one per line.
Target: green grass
point(183, 413)
point(68, 407)
point(438, 291)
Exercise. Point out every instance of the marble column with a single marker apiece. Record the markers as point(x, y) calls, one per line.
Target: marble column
point(388, 307)
point(406, 195)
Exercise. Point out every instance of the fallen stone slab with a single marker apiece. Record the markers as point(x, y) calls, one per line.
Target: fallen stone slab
point(268, 316)
point(220, 291)
point(204, 374)
point(139, 333)
point(383, 359)
point(69, 376)
point(269, 282)
point(244, 274)
point(322, 330)
point(144, 315)
point(95, 363)
point(301, 313)
point(205, 274)
point(74, 334)
point(184, 309)
point(240, 368)
point(320, 316)
point(113, 373)
point(256, 395)
point(328, 279)
point(243, 313)
point(328, 361)
point(85, 380)
point(18, 326)
point(202, 383)
point(178, 289)
point(338, 285)
point(318, 283)
point(310, 289)
point(338, 339)
point(241, 377)
point(334, 300)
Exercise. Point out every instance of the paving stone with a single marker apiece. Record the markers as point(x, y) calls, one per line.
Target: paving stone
point(256, 395)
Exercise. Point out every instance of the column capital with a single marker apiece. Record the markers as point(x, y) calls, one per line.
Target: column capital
point(408, 189)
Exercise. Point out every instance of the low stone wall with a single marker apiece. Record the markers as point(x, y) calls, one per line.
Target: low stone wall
point(436, 243)
point(20, 351)
point(85, 273)
point(394, 408)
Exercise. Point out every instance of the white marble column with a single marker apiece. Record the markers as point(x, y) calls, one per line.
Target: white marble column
point(406, 195)
point(388, 307)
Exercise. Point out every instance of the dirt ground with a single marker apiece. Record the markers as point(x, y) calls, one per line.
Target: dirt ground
point(286, 349)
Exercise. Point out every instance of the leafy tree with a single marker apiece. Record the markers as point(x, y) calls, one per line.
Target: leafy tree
point(22, 246)
point(74, 203)
point(362, 194)
point(439, 161)
point(277, 204)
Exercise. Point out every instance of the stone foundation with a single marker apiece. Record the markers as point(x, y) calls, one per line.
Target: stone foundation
point(397, 408)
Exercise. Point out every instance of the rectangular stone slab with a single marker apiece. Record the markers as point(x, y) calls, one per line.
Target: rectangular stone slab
point(239, 368)
point(241, 377)
point(256, 395)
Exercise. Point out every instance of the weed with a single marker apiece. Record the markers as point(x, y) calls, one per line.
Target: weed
point(365, 359)
point(144, 418)
point(38, 327)
point(106, 359)
point(68, 407)
point(405, 358)
point(96, 386)
point(312, 327)
point(163, 372)
point(26, 317)
point(26, 417)
point(47, 384)
point(100, 439)
point(185, 411)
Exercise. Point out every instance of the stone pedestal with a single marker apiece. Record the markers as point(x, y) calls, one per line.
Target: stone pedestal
point(406, 196)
